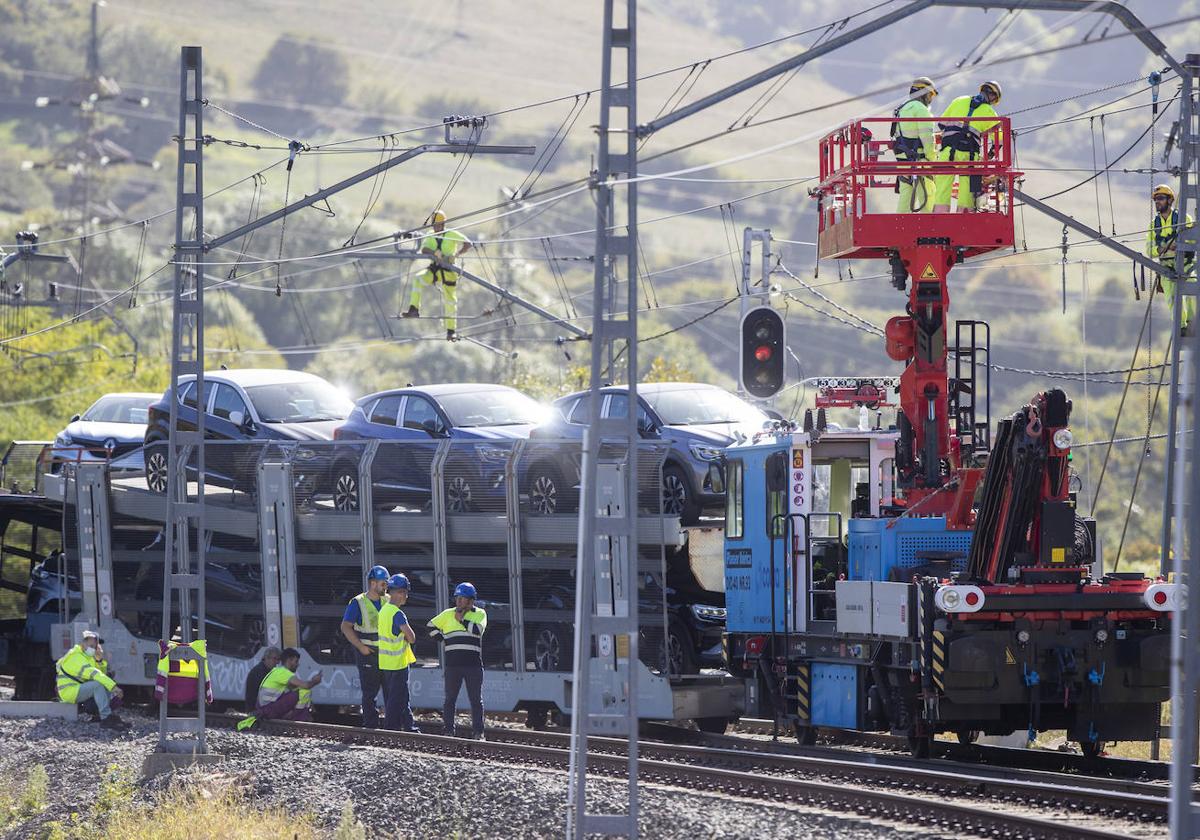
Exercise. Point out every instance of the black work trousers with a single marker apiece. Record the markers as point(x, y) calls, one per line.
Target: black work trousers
point(369, 680)
point(455, 676)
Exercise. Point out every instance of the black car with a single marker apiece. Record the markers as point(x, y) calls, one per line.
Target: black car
point(247, 405)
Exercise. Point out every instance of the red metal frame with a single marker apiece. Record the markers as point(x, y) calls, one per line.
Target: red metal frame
point(854, 160)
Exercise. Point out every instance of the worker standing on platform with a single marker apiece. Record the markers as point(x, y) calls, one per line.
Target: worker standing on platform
point(913, 140)
point(79, 680)
point(396, 638)
point(360, 625)
point(460, 628)
point(444, 246)
point(961, 141)
point(1161, 239)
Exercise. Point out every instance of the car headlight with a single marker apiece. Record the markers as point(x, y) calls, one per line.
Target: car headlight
point(706, 613)
point(702, 452)
point(492, 454)
point(62, 439)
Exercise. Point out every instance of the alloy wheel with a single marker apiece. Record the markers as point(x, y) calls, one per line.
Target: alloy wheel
point(543, 495)
point(345, 492)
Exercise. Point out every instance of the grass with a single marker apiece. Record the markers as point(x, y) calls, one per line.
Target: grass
point(22, 799)
point(212, 808)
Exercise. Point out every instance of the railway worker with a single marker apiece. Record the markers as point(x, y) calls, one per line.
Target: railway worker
point(460, 629)
point(79, 680)
point(282, 695)
point(1161, 238)
point(270, 659)
point(961, 141)
point(444, 246)
point(101, 657)
point(360, 627)
point(396, 638)
point(914, 141)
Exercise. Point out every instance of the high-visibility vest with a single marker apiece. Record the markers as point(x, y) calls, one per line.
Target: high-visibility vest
point(447, 243)
point(1162, 234)
point(395, 653)
point(76, 668)
point(274, 685)
point(174, 675)
point(463, 640)
point(367, 627)
point(962, 136)
point(913, 140)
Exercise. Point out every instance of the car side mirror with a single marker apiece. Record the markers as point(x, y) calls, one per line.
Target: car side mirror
point(646, 428)
point(237, 418)
point(74, 417)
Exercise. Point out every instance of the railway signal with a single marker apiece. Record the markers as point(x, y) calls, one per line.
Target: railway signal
point(762, 352)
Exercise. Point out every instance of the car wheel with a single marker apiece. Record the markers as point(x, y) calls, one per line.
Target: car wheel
point(156, 468)
point(345, 489)
point(677, 497)
point(551, 649)
point(680, 652)
point(546, 492)
point(458, 495)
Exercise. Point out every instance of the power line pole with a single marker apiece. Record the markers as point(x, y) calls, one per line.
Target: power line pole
point(606, 603)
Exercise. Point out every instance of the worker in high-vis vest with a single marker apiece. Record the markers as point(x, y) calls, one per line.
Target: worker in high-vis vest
point(78, 679)
point(360, 627)
point(962, 140)
point(396, 638)
point(912, 141)
point(1162, 237)
point(283, 695)
point(444, 246)
point(460, 630)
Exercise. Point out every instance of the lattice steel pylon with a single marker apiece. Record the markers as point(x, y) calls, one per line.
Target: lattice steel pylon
point(606, 606)
point(183, 567)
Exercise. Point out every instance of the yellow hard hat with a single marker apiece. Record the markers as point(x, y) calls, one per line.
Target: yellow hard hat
point(1163, 189)
point(438, 216)
point(923, 83)
point(994, 87)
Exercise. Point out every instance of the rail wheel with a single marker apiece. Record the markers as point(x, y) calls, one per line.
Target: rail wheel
point(806, 736)
point(920, 745)
point(967, 736)
point(1092, 749)
point(713, 725)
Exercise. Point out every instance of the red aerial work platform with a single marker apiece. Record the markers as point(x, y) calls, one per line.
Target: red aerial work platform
point(857, 220)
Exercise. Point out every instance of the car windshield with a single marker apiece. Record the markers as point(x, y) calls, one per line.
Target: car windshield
point(299, 402)
point(133, 409)
point(698, 406)
point(494, 407)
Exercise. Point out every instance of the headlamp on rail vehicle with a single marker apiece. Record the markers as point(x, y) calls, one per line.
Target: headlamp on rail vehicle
point(1101, 636)
point(1022, 637)
point(958, 599)
point(1063, 438)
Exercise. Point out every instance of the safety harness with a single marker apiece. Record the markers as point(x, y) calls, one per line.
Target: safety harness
point(908, 150)
point(963, 137)
point(442, 275)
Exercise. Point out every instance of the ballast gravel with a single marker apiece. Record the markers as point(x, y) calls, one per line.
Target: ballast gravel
point(395, 793)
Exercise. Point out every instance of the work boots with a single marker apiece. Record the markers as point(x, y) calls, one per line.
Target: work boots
point(113, 722)
point(451, 335)
point(412, 312)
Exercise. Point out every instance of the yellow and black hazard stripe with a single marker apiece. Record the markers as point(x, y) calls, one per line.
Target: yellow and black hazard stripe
point(939, 659)
point(803, 693)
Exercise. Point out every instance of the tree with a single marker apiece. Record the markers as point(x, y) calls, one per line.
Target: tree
point(299, 71)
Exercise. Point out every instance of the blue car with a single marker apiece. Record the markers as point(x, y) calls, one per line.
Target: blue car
point(698, 421)
point(479, 418)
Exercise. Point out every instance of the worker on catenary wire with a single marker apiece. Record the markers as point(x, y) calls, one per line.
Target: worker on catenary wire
point(913, 140)
point(1161, 240)
point(444, 246)
point(961, 141)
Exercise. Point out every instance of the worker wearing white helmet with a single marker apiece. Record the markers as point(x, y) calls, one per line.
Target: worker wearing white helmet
point(913, 140)
point(1161, 239)
point(961, 140)
point(444, 246)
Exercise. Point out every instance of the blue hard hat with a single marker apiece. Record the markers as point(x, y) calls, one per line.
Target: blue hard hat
point(397, 581)
point(465, 590)
point(377, 573)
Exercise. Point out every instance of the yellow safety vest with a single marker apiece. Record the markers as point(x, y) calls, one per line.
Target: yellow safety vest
point(463, 640)
point(76, 668)
point(395, 653)
point(961, 136)
point(275, 685)
point(447, 243)
point(186, 668)
point(367, 627)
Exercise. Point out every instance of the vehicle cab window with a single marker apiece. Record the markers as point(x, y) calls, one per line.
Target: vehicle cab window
point(419, 413)
point(385, 411)
point(579, 414)
point(188, 396)
point(734, 519)
point(228, 402)
point(618, 407)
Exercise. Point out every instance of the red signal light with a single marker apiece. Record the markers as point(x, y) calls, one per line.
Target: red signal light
point(1160, 597)
point(972, 598)
point(762, 353)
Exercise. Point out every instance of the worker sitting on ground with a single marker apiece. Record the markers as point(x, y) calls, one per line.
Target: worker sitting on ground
point(79, 680)
point(961, 140)
point(913, 140)
point(1161, 239)
point(282, 694)
point(444, 246)
point(270, 659)
point(396, 638)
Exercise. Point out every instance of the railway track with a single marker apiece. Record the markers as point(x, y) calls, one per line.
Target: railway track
point(826, 782)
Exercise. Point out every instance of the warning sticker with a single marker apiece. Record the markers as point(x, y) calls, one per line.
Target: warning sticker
point(1009, 659)
point(928, 273)
point(797, 458)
